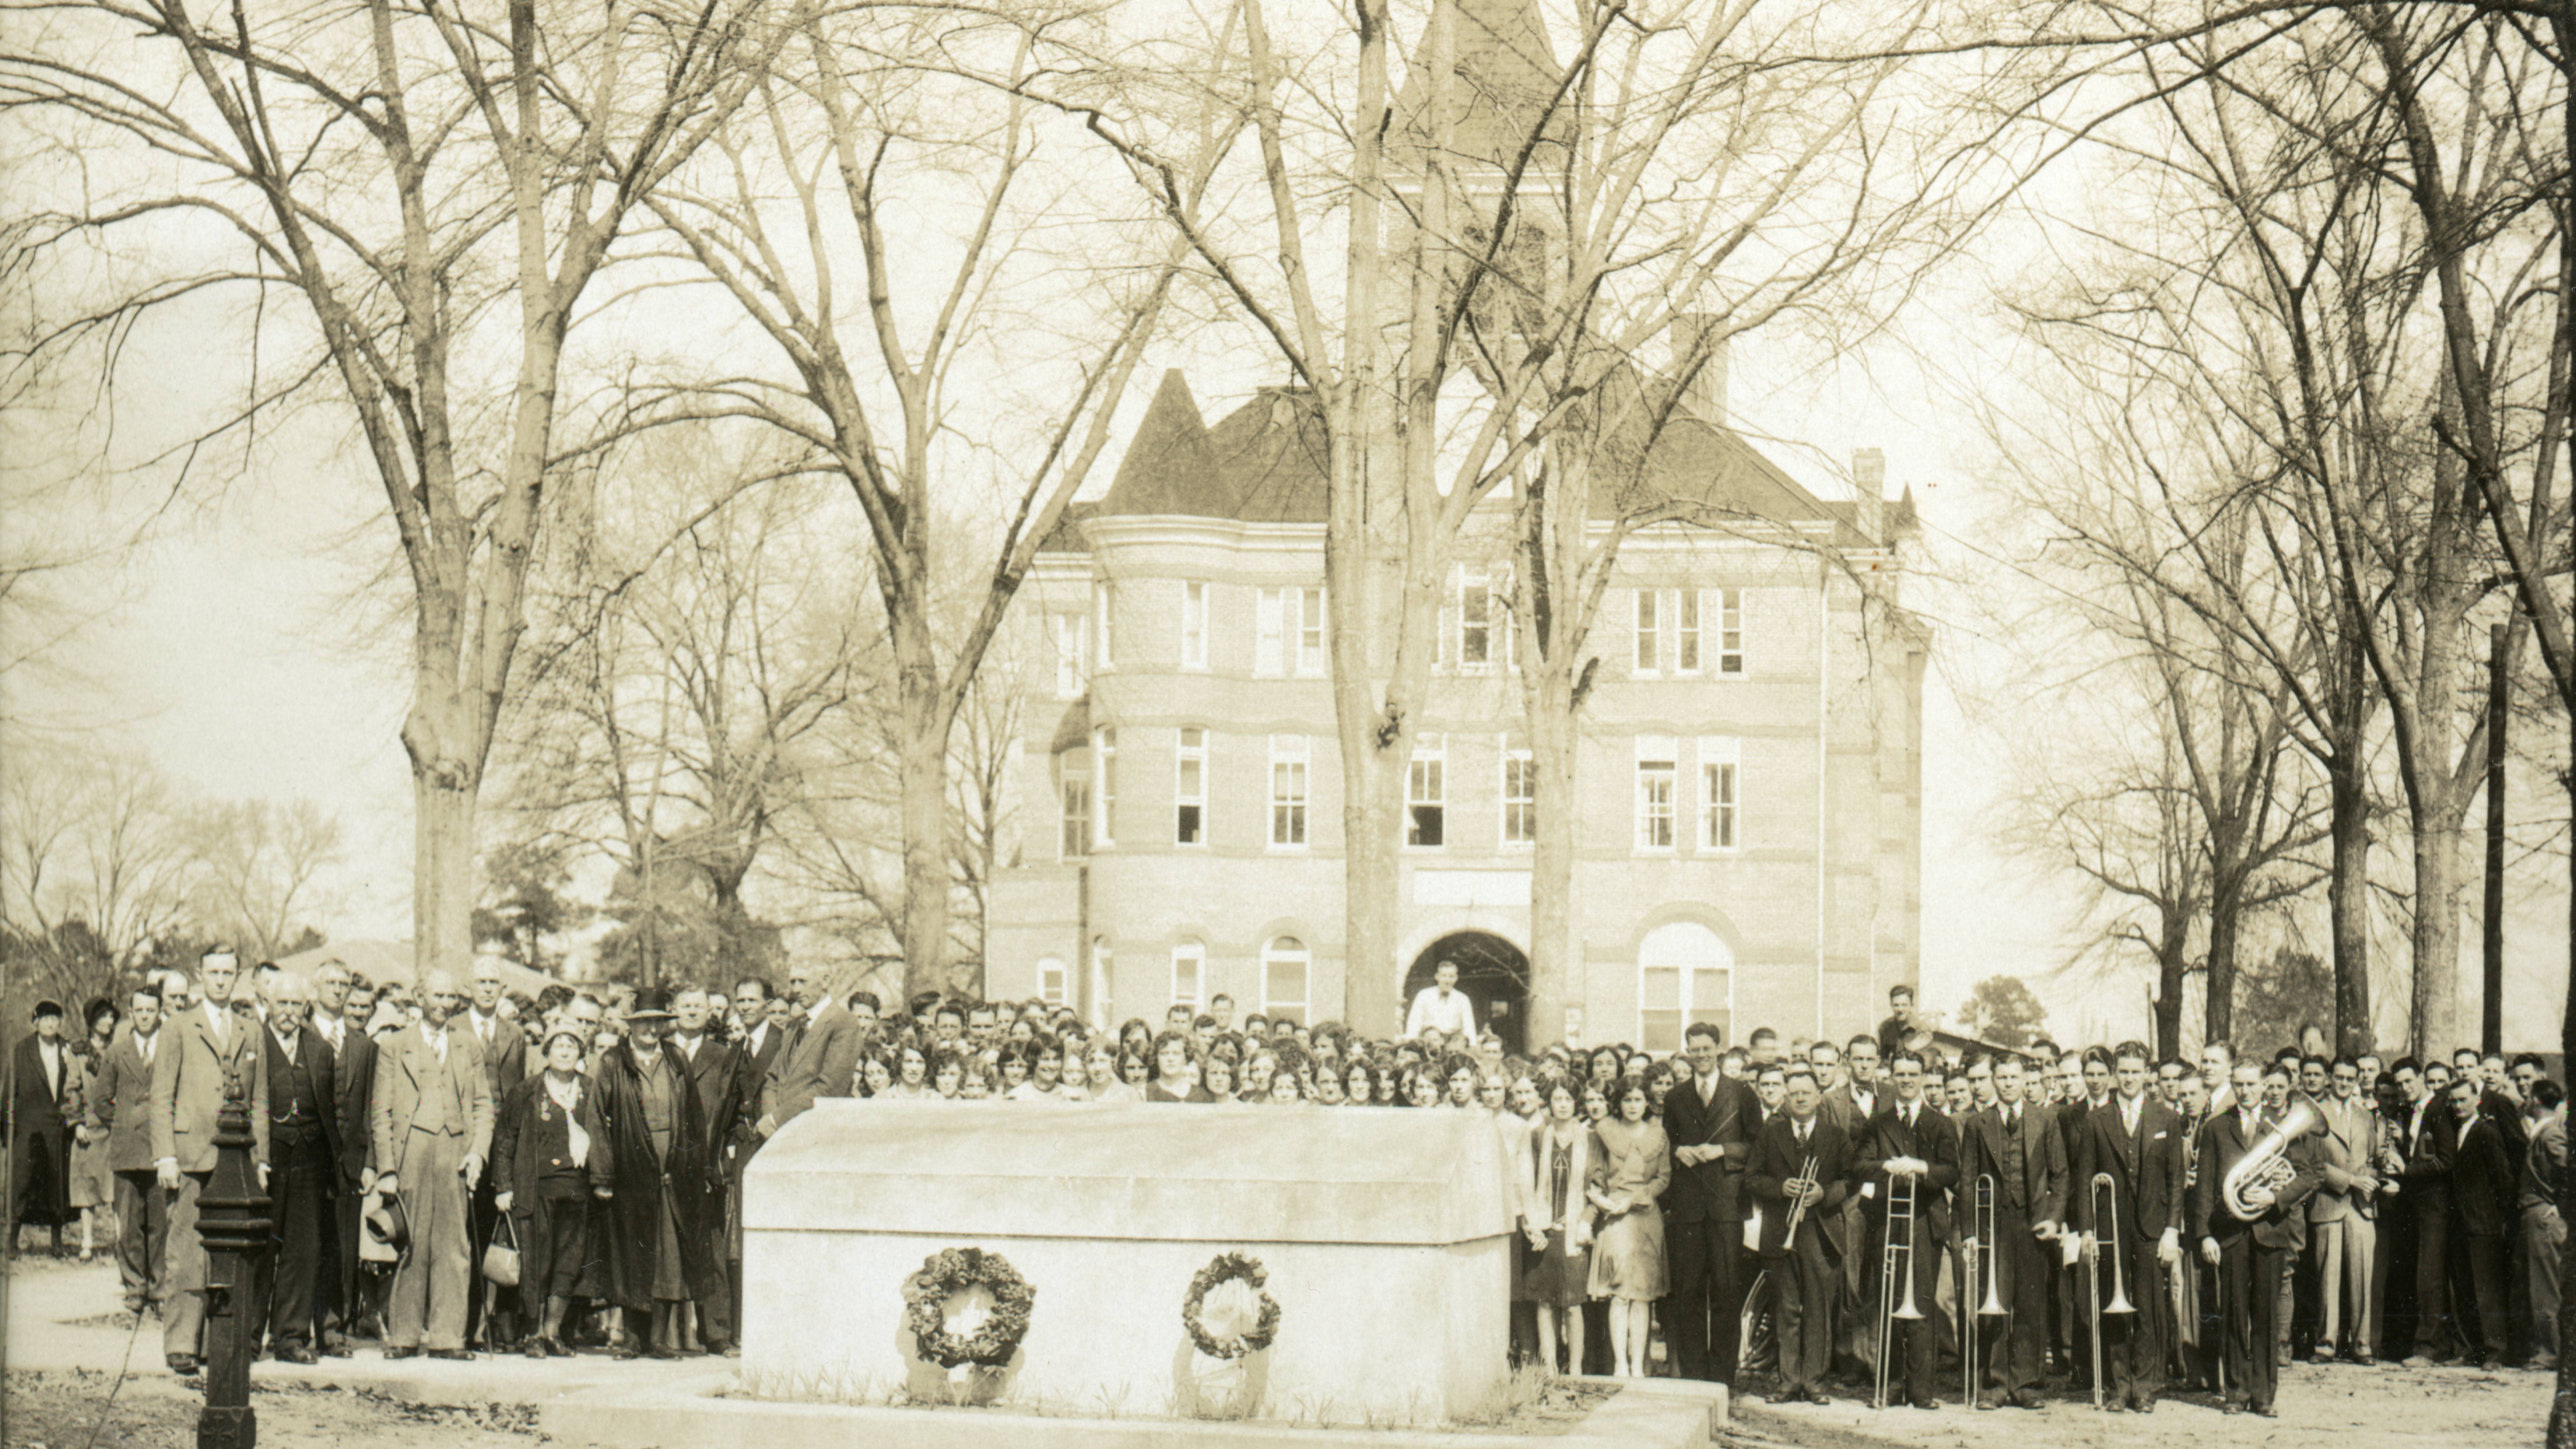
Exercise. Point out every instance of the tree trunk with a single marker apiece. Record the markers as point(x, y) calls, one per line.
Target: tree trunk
point(442, 901)
point(924, 717)
point(2562, 1402)
point(2435, 1007)
point(1554, 970)
point(2172, 968)
point(2491, 924)
point(1372, 889)
point(2348, 904)
point(2221, 1013)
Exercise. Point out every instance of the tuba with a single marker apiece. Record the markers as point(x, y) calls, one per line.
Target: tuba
point(2267, 1163)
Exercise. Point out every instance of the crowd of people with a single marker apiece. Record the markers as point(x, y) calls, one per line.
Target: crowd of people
point(468, 1169)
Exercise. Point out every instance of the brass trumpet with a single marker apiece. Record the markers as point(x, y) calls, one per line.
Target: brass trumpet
point(1900, 1241)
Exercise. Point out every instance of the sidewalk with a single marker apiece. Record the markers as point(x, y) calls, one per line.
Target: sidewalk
point(67, 1316)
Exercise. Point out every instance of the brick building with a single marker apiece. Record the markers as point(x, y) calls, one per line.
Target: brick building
point(1750, 761)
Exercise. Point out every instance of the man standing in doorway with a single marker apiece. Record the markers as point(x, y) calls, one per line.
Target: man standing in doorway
point(1441, 1006)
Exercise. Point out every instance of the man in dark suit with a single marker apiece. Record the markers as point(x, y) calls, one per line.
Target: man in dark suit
point(304, 1166)
point(2251, 1255)
point(2430, 1142)
point(39, 1134)
point(505, 1065)
point(756, 1045)
point(120, 1114)
point(1709, 1121)
point(341, 1291)
point(2138, 1144)
point(2017, 1144)
point(714, 1070)
point(819, 1058)
point(2482, 1203)
point(1800, 1267)
point(208, 1047)
point(1906, 1148)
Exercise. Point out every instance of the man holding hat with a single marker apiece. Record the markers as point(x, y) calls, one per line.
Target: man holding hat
point(39, 1146)
point(431, 1118)
point(207, 1048)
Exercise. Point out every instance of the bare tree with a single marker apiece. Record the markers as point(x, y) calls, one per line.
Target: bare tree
point(254, 867)
point(893, 135)
point(435, 192)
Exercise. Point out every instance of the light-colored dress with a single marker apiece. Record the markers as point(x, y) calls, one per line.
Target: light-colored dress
point(1634, 1165)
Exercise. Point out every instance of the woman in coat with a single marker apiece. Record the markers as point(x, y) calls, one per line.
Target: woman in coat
point(93, 1191)
point(552, 1156)
point(660, 1228)
point(1631, 1166)
point(1557, 1218)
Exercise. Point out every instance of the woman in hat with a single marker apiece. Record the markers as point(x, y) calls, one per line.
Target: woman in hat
point(661, 1227)
point(93, 1192)
point(552, 1153)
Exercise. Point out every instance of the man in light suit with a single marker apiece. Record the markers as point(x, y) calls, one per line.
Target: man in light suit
point(2343, 1214)
point(505, 1065)
point(202, 1050)
point(120, 1113)
point(430, 1115)
point(819, 1057)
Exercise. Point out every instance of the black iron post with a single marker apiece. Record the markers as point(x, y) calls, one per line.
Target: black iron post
point(232, 1219)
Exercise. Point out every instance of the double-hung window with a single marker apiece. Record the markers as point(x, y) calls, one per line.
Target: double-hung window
point(1720, 775)
point(1520, 798)
point(1072, 634)
point(1104, 794)
point(1189, 788)
point(1288, 792)
point(1194, 624)
point(1426, 793)
point(1655, 771)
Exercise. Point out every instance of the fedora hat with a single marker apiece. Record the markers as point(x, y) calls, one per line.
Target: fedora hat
point(653, 1003)
point(387, 1229)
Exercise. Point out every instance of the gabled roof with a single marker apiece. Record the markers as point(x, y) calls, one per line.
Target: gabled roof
point(1262, 463)
point(1506, 75)
point(1265, 463)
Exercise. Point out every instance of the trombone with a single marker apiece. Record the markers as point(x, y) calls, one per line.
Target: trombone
point(1979, 1260)
point(1900, 1241)
point(2094, 1198)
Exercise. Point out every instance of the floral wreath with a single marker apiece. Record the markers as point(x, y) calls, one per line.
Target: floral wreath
point(1226, 1267)
point(953, 1270)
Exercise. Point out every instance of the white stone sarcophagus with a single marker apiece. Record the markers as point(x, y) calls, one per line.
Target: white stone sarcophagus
point(1384, 1233)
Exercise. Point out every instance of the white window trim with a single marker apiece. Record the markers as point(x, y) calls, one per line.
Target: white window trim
point(1655, 750)
point(1102, 607)
point(1689, 616)
point(1068, 782)
point(1269, 644)
point(1193, 952)
point(1063, 980)
point(1503, 792)
point(1720, 751)
point(1194, 623)
point(1432, 749)
point(1643, 602)
point(1182, 753)
point(1070, 635)
point(1719, 656)
point(1304, 956)
point(1688, 1004)
point(1292, 750)
point(1104, 788)
point(1461, 579)
point(1311, 605)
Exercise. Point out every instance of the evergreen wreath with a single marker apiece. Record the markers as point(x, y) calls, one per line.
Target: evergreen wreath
point(951, 1271)
point(1226, 1267)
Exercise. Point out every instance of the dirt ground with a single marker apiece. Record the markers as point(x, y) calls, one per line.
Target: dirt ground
point(2339, 1407)
point(71, 1410)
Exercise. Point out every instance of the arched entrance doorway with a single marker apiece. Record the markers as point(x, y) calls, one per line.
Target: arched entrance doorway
point(1493, 973)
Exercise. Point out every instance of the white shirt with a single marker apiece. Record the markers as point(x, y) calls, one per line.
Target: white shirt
point(1434, 1010)
point(143, 1045)
point(220, 1022)
point(285, 1043)
point(437, 1041)
point(51, 1054)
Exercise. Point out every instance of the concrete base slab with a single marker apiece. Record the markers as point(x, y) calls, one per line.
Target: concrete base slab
point(1644, 1414)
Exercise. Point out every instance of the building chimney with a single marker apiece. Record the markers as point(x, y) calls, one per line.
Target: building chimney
point(1869, 493)
point(1699, 353)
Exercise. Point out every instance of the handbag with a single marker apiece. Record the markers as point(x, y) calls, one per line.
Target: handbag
point(501, 1259)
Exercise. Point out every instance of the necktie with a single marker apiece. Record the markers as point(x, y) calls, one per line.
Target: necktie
point(2013, 1186)
point(148, 1043)
point(438, 1044)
